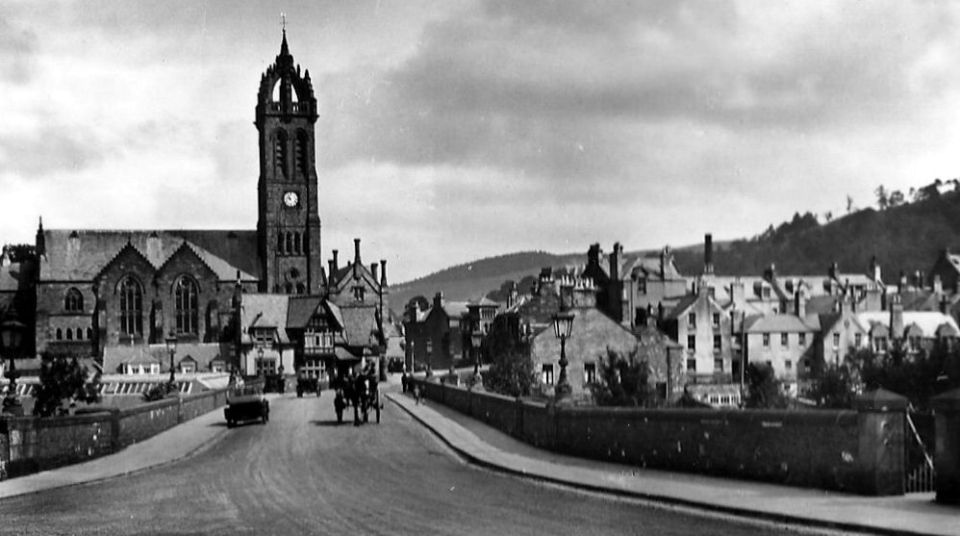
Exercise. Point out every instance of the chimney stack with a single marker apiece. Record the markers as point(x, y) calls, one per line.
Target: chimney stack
point(356, 251)
point(902, 282)
point(383, 273)
point(799, 304)
point(834, 269)
point(937, 285)
point(593, 255)
point(438, 299)
point(373, 270)
point(616, 257)
point(708, 253)
point(896, 319)
point(334, 263)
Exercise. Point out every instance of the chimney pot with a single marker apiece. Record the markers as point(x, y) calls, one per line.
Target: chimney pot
point(356, 251)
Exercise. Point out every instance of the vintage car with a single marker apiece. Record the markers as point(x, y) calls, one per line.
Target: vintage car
point(306, 384)
point(246, 404)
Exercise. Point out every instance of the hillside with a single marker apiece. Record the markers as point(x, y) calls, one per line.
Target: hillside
point(905, 237)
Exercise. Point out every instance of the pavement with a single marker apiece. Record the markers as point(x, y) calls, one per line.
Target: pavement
point(490, 448)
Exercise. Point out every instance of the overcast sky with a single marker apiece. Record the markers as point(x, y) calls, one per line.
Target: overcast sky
point(455, 130)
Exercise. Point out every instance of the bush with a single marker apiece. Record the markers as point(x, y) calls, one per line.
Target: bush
point(63, 379)
point(623, 381)
point(159, 392)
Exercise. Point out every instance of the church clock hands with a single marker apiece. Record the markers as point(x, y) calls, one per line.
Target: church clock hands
point(291, 199)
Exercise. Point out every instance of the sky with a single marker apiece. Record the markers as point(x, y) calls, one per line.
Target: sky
point(459, 129)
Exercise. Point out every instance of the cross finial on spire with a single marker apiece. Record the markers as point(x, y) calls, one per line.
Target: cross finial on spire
point(283, 21)
point(284, 51)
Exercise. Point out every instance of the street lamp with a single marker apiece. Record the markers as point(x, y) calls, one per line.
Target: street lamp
point(171, 341)
point(11, 333)
point(562, 328)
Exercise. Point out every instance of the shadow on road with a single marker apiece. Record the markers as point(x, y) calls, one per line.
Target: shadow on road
point(218, 424)
point(330, 422)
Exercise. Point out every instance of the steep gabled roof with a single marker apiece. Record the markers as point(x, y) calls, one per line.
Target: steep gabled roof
point(264, 311)
point(778, 324)
point(301, 309)
point(360, 325)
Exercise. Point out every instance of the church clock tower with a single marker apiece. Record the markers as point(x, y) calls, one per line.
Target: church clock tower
point(288, 229)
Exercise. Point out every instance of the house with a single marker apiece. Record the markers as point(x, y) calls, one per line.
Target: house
point(434, 338)
point(786, 342)
point(705, 329)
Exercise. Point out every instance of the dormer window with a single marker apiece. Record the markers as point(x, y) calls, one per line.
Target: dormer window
point(358, 292)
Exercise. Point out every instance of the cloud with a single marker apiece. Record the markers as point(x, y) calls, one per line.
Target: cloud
point(54, 148)
point(17, 48)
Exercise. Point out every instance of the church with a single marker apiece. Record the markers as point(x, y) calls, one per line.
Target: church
point(250, 300)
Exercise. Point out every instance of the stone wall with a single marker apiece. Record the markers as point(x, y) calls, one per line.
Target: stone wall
point(31, 444)
point(854, 451)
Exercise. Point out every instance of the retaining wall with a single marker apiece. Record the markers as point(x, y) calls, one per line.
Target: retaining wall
point(31, 444)
point(856, 451)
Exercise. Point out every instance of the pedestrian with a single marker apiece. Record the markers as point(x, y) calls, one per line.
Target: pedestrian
point(416, 394)
point(403, 382)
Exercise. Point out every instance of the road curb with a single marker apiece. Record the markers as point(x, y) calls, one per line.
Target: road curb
point(783, 519)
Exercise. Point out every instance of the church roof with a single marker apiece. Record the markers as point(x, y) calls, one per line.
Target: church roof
point(79, 255)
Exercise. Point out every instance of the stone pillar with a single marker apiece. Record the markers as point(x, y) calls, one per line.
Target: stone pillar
point(881, 442)
point(946, 457)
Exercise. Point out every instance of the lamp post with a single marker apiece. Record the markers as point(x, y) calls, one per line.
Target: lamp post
point(259, 364)
point(171, 341)
point(11, 332)
point(562, 328)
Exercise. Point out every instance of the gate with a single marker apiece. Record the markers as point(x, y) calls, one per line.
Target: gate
point(919, 476)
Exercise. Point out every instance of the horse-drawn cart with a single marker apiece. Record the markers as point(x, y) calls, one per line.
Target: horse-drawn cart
point(363, 393)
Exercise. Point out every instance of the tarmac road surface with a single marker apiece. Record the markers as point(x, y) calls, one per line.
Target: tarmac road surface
point(301, 473)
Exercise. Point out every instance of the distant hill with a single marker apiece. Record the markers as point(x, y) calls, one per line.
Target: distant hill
point(906, 237)
point(475, 279)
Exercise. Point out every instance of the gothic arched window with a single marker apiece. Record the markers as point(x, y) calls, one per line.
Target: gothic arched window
point(74, 301)
point(131, 307)
point(79, 334)
point(186, 305)
point(89, 334)
point(69, 334)
point(289, 244)
point(296, 243)
point(289, 288)
point(59, 334)
point(280, 153)
point(301, 289)
point(280, 242)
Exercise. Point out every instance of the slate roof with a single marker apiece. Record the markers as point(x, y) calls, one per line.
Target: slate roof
point(360, 325)
point(201, 353)
point(8, 277)
point(83, 256)
point(778, 324)
point(927, 321)
point(649, 267)
point(301, 309)
point(264, 311)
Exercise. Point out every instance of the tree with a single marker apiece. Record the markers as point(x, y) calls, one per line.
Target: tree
point(895, 199)
point(918, 376)
point(835, 389)
point(763, 389)
point(828, 216)
point(63, 379)
point(849, 204)
point(882, 199)
point(623, 381)
point(511, 367)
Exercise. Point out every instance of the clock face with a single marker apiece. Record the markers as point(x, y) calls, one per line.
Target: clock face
point(291, 199)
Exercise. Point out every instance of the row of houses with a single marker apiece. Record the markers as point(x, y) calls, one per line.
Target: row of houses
point(695, 332)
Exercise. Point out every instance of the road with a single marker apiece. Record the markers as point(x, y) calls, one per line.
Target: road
point(301, 473)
